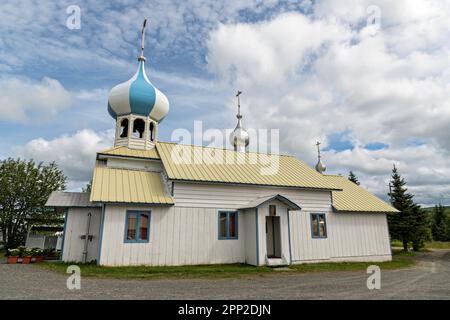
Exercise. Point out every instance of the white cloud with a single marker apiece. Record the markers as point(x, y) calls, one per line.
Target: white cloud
point(316, 76)
point(74, 154)
point(19, 97)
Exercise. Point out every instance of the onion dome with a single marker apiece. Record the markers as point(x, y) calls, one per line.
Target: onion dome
point(138, 96)
point(320, 166)
point(239, 138)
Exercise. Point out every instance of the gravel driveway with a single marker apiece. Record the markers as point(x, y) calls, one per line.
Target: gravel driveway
point(429, 279)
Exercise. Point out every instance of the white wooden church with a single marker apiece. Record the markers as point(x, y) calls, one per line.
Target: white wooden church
point(158, 203)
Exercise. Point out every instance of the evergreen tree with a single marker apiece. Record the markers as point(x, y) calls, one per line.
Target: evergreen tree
point(88, 187)
point(411, 223)
point(353, 178)
point(439, 227)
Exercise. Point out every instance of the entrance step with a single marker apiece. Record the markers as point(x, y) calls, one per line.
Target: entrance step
point(276, 262)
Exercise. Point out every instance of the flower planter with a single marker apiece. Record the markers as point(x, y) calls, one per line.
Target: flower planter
point(13, 259)
point(26, 260)
point(39, 258)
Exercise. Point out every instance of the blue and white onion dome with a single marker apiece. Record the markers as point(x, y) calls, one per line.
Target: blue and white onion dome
point(138, 96)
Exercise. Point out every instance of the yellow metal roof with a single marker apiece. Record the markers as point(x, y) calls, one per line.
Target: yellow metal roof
point(354, 198)
point(194, 163)
point(127, 152)
point(128, 186)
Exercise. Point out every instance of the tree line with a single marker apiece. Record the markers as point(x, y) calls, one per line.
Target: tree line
point(412, 225)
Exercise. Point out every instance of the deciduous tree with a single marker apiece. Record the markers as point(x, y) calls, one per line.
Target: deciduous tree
point(24, 188)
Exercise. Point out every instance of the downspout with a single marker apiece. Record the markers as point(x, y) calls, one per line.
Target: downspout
point(86, 237)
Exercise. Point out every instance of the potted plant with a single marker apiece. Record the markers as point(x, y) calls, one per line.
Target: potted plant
point(49, 253)
point(38, 254)
point(26, 256)
point(13, 255)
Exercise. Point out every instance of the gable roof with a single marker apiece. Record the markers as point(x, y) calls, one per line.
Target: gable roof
point(128, 186)
point(261, 200)
point(69, 200)
point(200, 164)
point(354, 198)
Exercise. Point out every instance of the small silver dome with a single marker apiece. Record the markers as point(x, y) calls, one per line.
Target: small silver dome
point(239, 138)
point(320, 167)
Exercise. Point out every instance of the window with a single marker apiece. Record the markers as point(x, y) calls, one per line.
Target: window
point(138, 128)
point(137, 226)
point(228, 224)
point(151, 131)
point(123, 128)
point(318, 225)
point(272, 210)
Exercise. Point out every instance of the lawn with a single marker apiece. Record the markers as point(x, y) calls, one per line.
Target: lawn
point(400, 260)
point(437, 245)
point(428, 245)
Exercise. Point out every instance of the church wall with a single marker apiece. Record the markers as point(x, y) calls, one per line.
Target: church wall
point(178, 236)
point(76, 226)
point(350, 236)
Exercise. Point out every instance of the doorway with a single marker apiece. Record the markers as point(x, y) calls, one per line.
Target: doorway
point(273, 237)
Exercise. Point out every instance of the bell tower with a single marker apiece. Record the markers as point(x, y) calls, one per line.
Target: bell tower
point(138, 107)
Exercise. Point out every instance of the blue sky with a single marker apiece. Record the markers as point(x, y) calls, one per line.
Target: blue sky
point(375, 94)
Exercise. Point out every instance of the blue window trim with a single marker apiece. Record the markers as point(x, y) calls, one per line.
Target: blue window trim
point(138, 224)
point(228, 213)
point(318, 225)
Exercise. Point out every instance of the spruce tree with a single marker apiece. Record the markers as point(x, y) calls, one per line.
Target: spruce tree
point(410, 224)
point(439, 227)
point(353, 178)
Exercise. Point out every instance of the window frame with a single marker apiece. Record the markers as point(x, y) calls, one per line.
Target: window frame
point(318, 215)
point(137, 213)
point(227, 228)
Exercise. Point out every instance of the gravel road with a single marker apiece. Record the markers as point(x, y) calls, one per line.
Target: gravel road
point(429, 279)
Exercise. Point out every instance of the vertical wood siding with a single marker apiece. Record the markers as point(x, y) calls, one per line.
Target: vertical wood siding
point(75, 228)
point(178, 236)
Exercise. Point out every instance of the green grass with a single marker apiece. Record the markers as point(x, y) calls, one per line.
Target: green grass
point(400, 260)
point(181, 272)
point(428, 245)
point(437, 245)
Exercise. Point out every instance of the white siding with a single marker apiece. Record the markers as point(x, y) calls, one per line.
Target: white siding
point(350, 237)
point(249, 233)
point(235, 196)
point(76, 227)
point(137, 164)
point(178, 236)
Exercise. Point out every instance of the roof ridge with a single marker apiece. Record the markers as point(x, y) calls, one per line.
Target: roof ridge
point(225, 149)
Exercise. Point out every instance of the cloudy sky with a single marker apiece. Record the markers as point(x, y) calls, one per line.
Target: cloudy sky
point(371, 79)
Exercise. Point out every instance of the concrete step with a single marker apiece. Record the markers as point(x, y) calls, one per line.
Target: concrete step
point(276, 262)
